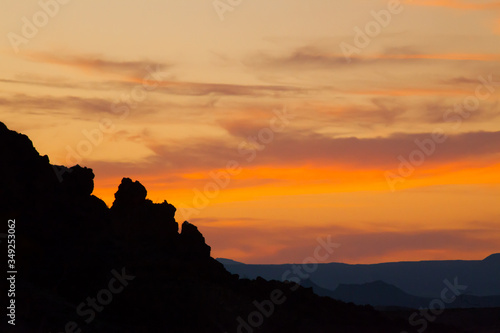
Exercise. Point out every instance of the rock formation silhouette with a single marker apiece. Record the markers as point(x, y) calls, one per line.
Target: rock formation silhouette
point(70, 245)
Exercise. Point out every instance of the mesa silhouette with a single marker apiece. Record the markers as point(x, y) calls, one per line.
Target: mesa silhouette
point(71, 247)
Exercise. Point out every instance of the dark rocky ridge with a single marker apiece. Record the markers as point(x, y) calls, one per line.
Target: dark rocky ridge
point(68, 242)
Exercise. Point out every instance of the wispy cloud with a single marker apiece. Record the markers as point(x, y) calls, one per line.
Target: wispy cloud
point(96, 63)
point(313, 57)
point(317, 151)
point(55, 105)
point(136, 71)
point(457, 4)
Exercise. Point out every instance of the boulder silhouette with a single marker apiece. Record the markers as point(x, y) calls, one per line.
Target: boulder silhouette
point(130, 193)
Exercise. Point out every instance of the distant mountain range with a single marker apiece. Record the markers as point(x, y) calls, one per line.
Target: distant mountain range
point(402, 284)
point(382, 295)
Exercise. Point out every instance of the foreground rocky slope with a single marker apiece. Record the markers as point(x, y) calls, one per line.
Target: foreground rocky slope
point(84, 267)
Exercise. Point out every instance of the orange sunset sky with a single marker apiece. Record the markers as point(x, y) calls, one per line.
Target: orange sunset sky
point(373, 122)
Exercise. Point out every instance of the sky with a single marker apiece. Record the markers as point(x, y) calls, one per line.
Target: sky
point(274, 126)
